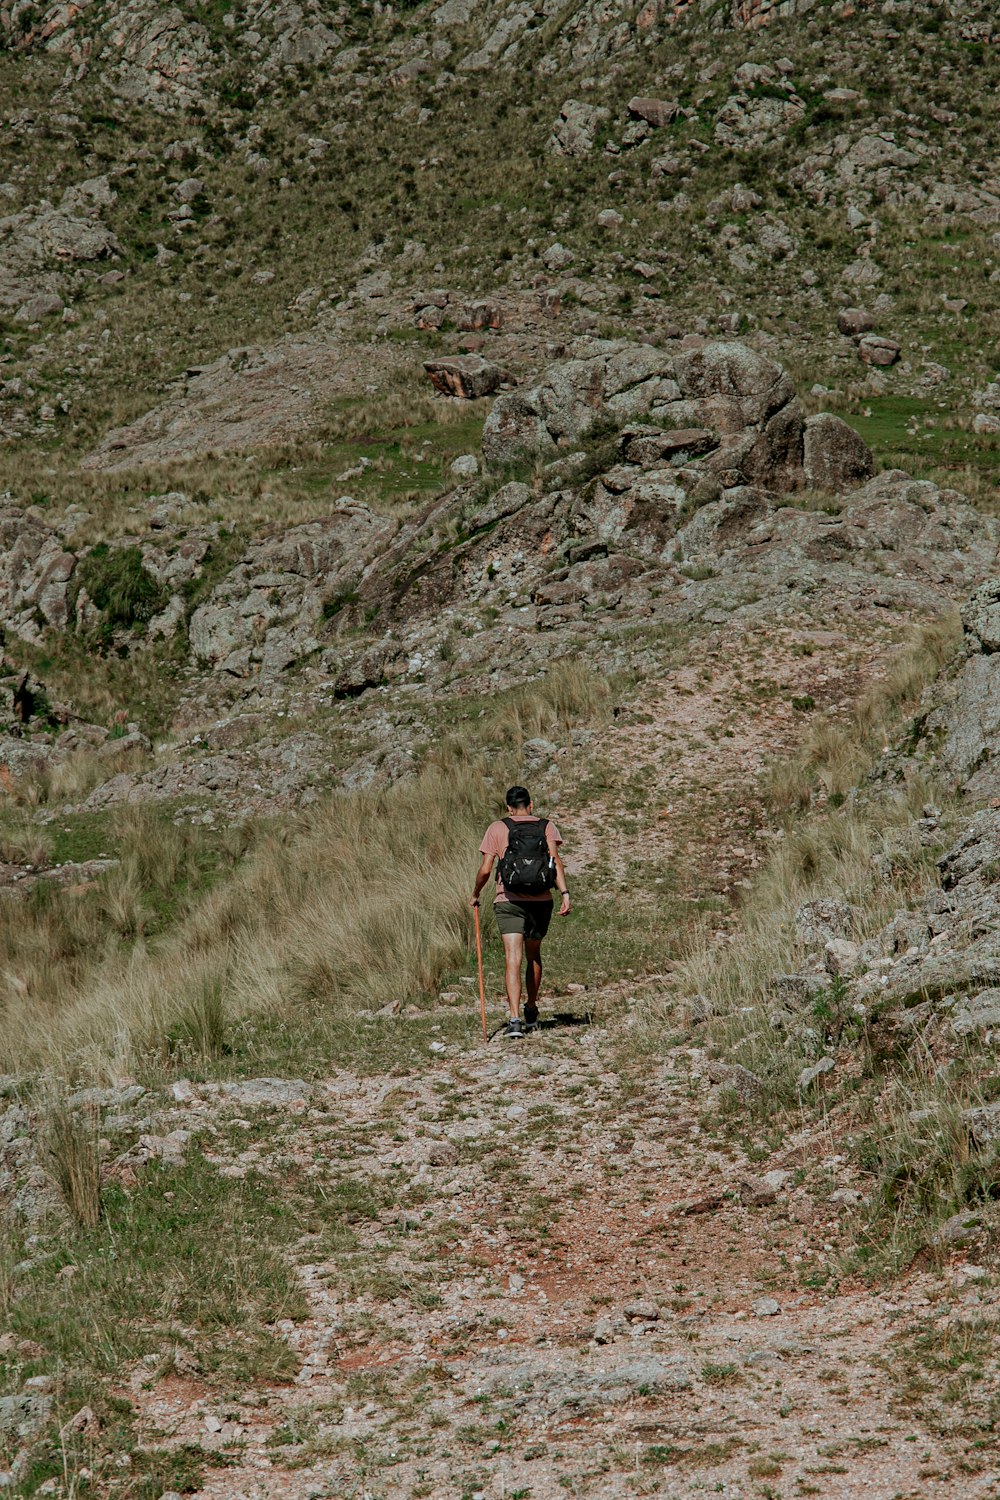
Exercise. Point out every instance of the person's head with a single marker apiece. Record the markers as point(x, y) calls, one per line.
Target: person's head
point(518, 799)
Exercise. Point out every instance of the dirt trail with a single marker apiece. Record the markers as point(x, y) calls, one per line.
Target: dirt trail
point(557, 1288)
point(567, 1275)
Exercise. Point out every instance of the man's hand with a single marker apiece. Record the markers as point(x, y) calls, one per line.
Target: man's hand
point(474, 901)
point(566, 906)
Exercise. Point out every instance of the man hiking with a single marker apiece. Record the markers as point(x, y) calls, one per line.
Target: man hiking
point(527, 848)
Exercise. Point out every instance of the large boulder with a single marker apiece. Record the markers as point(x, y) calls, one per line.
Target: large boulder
point(513, 431)
point(836, 458)
point(467, 376)
point(656, 112)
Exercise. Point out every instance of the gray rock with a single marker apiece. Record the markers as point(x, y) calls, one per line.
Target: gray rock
point(465, 466)
point(467, 376)
point(816, 922)
point(983, 1122)
point(874, 350)
point(22, 1418)
point(835, 457)
point(733, 1076)
point(42, 305)
point(981, 617)
point(188, 190)
point(765, 1307)
point(809, 1075)
point(854, 321)
point(574, 131)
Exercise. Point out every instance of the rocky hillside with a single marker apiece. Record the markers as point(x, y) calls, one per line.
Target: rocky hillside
point(397, 402)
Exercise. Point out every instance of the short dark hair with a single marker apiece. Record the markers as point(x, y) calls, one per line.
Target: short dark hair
point(518, 796)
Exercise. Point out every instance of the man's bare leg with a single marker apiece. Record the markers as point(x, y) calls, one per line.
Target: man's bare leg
point(513, 948)
point(533, 953)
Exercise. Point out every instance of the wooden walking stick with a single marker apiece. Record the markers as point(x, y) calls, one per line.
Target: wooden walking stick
point(482, 986)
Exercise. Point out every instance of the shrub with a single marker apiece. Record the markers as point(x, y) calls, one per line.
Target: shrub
point(120, 586)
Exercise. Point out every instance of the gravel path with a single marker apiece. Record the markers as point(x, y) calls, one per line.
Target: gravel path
point(561, 1281)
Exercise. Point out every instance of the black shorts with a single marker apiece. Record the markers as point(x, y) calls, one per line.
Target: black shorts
point(529, 918)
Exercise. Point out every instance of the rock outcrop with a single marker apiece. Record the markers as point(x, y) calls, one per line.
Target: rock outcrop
point(963, 727)
point(269, 609)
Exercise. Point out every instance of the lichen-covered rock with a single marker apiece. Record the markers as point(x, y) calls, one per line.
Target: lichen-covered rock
point(467, 376)
point(574, 131)
point(835, 457)
point(265, 614)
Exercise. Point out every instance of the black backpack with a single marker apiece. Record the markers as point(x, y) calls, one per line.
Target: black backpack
point(527, 868)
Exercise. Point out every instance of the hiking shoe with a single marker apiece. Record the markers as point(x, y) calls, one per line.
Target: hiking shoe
point(514, 1027)
point(531, 1016)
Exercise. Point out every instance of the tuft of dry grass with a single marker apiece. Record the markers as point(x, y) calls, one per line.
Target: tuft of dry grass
point(365, 902)
point(71, 1150)
point(836, 755)
point(24, 842)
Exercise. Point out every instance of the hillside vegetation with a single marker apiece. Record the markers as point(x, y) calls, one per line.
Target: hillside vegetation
point(398, 402)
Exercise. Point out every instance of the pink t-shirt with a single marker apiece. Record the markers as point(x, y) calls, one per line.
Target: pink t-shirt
point(495, 842)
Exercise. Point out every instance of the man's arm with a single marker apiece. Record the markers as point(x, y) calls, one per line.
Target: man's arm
point(485, 871)
point(561, 886)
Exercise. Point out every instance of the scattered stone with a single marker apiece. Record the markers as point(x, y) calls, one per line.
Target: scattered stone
point(765, 1307)
point(643, 1311)
point(609, 218)
point(465, 466)
point(22, 1418)
point(854, 321)
point(557, 257)
point(737, 1079)
point(656, 112)
point(873, 350)
point(809, 1075)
